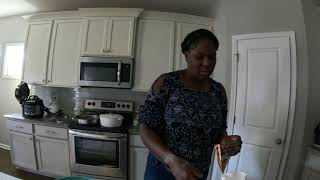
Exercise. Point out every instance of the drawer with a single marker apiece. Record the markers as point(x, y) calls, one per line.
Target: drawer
point(51, 132)
point(19, 126)
point(135, 140)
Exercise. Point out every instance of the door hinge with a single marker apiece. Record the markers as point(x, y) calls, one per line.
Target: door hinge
point(234, 119)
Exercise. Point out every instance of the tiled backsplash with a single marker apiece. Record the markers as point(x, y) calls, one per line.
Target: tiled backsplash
point(67, 97)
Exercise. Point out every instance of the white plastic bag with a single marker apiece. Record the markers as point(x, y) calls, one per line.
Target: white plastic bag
point(234, 176)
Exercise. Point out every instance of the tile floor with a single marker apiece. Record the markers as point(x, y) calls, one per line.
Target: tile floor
point(6, 167)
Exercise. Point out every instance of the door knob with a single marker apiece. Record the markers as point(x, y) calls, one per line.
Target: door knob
point(278, 141)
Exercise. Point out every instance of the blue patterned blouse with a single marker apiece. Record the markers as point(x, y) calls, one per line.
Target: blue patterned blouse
point(188, 121)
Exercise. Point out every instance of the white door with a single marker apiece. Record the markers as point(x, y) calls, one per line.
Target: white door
point(22, 150)
point(37, 50)
point(183, 29)
point(138, 162)
point(154, 55)
point(53, 156)
point(262, 92)
point(95, 35)
point(120, 36)
point(63, 68)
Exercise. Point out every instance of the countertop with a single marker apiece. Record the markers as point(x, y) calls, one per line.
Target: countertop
point(45, 121)
point(52, 122)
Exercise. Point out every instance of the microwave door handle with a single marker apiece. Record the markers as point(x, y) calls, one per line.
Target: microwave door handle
point(119, 73)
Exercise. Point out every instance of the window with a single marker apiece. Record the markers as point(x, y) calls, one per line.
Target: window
point(12, 60)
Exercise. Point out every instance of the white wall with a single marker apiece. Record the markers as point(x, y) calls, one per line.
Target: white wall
point(234, 17)
point(11, 30)
point(312, 20)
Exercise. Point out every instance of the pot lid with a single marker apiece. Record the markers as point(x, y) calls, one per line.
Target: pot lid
point(22, 92)
point(112, 116)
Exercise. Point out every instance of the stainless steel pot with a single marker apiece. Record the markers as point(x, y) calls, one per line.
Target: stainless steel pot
point(87, 119)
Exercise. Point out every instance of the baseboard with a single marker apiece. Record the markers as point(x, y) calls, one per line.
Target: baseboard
point(4, 146)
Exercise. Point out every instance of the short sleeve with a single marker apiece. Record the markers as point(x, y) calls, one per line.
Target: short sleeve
point(154, 107)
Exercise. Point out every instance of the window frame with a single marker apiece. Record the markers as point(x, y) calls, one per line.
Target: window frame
point(3, 47)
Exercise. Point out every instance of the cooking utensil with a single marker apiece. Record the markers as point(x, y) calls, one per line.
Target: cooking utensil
point(87, 119)
point(111, 120)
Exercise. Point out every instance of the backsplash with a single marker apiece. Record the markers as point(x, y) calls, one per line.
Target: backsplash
point(67, 97)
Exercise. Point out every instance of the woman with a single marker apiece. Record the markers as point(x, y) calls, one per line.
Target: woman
point(185, 115)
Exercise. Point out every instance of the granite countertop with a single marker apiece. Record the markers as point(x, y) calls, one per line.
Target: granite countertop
point(45, 121)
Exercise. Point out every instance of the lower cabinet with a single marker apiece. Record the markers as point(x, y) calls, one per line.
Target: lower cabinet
point(53, 156)
point(22, 150)
point(138, 162)
point(138, 158)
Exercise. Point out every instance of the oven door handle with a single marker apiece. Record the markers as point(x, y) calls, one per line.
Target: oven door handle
point(109, 136)
point(119, 73)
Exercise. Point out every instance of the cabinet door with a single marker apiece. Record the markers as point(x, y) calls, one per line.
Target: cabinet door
point(22, 150)
point(120, 36)
point(53, 156)
point(37, 50)
point(138, 162)
point(95, 35)
point(63, 68)
point(183, 29)
point(154, 55)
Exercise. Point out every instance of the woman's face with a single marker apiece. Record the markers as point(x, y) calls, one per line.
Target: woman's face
point(202, 59)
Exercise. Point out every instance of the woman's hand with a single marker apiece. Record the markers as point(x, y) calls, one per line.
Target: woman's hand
point(182, 169)
point(231, 145)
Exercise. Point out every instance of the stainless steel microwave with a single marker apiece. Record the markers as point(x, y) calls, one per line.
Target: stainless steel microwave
point(115, 72)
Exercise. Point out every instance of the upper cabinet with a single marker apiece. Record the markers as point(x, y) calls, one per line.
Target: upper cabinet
point(108, 36)
point(158, 44)
point(63, 66)
point(109, 31)
point(37, 51)
point(183, 29)
point(53, 49)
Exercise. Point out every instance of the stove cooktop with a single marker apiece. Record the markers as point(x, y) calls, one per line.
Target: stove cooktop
point(99, 128)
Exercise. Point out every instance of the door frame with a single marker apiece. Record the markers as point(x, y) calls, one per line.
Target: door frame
point(293, 85)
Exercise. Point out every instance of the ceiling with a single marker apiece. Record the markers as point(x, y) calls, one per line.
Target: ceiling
point(19, 7)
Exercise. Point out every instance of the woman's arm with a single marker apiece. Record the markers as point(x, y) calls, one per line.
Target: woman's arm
point(154, 143)
point(180, 168)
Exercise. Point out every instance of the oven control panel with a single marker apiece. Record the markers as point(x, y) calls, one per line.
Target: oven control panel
point(96, 104)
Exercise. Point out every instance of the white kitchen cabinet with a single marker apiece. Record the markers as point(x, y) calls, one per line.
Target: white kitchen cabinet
point(22, 150)
point(138, 162)
point(138, 158)
point(154, 52)
point(63, 67)
point(183, 29)
point(37, 51)
point(108, 36)
point(53, 156)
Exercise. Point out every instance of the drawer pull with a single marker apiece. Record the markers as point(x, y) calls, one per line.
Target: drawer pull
point(19, 127)
point(50, 132)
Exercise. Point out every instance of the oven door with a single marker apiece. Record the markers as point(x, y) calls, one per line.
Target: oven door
point(99, 153)
point(106, 72)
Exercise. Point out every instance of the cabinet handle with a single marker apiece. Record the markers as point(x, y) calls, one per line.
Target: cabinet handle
point(108, 50)
point(47, 131)
point(19, 127)
point(43, 80)
point(53, 132)
point(49, 80)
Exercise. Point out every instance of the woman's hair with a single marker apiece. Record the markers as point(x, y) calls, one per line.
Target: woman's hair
point(193, 38)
